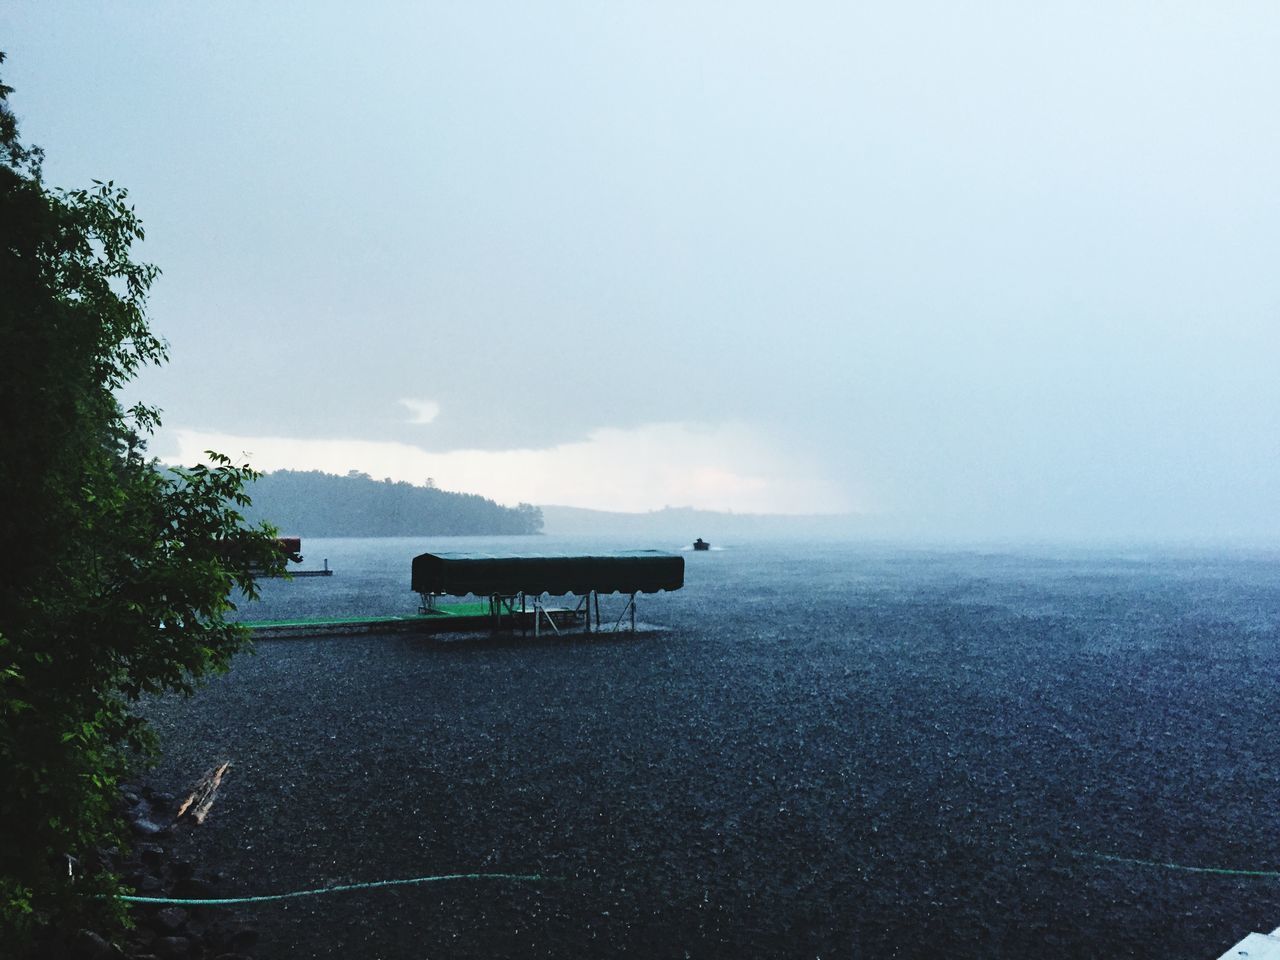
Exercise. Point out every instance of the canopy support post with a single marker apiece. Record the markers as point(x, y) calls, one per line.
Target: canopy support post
point(629, 608)
point(583, 609)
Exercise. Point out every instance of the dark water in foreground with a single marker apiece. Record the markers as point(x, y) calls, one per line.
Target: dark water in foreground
point(837, 751)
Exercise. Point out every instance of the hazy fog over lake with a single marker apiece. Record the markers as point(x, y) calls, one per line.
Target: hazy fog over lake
point(998, 269)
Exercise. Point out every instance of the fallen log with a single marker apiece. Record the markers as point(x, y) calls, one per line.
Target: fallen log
point(198, 804)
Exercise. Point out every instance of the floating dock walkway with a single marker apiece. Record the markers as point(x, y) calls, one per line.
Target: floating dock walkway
point(325, 572)
point(462, 617)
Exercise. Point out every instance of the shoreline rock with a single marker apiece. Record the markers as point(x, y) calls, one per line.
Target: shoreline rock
point(154, 868)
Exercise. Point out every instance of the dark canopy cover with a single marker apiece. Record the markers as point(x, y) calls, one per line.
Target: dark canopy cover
point(632, 571)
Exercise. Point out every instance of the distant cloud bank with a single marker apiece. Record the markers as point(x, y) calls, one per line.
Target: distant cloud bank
point(720, 467)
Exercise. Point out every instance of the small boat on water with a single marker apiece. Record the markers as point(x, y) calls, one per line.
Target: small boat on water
point(701, 544)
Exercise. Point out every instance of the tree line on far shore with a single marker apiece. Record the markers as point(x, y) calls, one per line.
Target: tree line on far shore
point(309, 503)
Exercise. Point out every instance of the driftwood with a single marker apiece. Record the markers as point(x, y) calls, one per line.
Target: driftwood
point(197, 806)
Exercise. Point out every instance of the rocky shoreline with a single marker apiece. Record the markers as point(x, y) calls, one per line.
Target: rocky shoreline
point(157, 866)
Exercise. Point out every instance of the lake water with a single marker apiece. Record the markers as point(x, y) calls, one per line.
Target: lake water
point(836, 750)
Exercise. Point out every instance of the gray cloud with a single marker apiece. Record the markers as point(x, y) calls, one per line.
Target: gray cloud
point(1009, 269)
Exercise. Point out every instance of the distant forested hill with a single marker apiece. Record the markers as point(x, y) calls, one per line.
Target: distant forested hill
point(315, 504)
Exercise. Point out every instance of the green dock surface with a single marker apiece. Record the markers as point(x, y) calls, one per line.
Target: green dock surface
point(454, 615)
point(446, 610)
point(447, 618)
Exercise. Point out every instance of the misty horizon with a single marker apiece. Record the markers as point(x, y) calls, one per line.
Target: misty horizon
point(994, 272)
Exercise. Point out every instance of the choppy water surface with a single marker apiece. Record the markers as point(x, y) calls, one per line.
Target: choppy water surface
point(838, 750)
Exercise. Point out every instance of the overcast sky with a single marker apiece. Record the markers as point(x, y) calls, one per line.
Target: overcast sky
point(989, 268)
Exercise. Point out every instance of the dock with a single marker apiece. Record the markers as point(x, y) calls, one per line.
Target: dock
point(461, 618)
point(323, 572)
point(512, 594)
point(291, 549)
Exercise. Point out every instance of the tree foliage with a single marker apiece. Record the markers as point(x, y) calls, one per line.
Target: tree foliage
point(309, 503)
point(116, 577)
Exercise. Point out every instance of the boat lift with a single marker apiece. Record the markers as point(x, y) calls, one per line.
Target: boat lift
point(516, 586)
